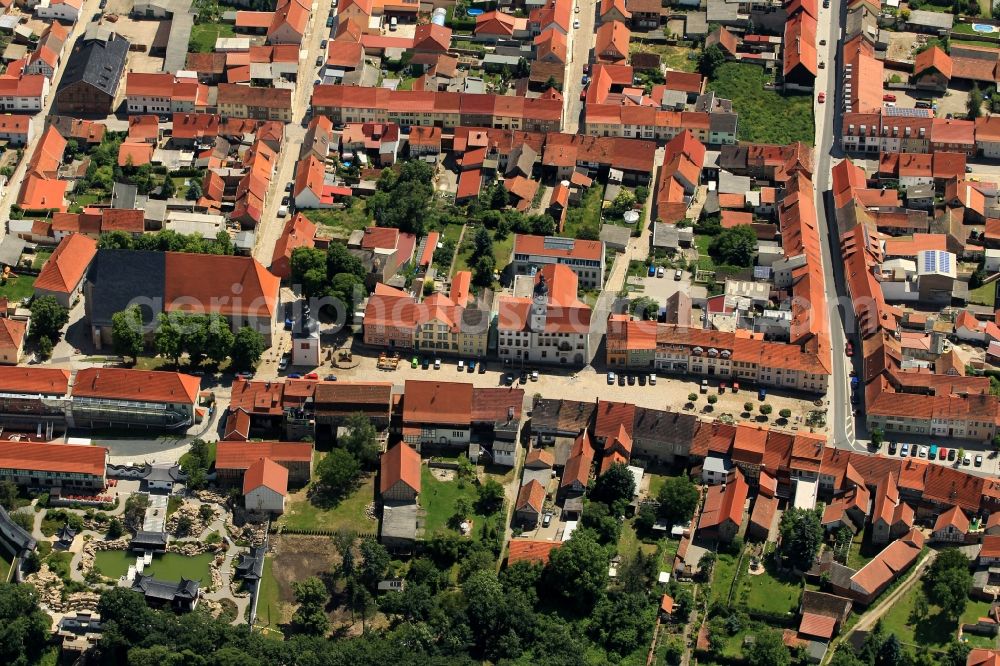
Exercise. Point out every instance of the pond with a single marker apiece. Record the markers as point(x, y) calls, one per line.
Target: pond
point(169, 566)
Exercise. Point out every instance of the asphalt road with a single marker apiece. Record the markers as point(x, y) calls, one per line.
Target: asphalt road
point(581, 41)
point(271, 225)
point(840, 414)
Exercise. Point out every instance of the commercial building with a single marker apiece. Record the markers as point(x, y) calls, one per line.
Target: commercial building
point(90, 81)
point(119, 397)
point(583, 257)
point(73, 468)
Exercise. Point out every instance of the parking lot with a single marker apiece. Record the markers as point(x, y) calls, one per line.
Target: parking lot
point(990, 460)
point(662, 288)
point(589, 384)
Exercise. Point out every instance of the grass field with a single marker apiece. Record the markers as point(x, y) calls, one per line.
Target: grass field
point(501, 250)
point(343, 222)
point(41, 256)
point(17, 288)
point(672, 57)
point(203, 36)
point(771, 593)
point(722, 577)
point(765, 115)
point(935, 630)
point(984, 294)
point(268, 610)
point(438, 500)
point(212, 446)
point(705, 262)
point(348, 515)
point(587, 215)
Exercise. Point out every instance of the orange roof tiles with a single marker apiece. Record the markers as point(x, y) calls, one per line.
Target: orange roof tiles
point(612, 41)
point(267, 473)
point(529, 550)
point(935, 59)
point(531, 497)
point(241, 455)
point(36, 380)
point(724, 503)
point(66, 266)
point(131, 384)
point(447, 403)
point(58, 458)
point(821, 626)
point(400, 463)
point(186, 283)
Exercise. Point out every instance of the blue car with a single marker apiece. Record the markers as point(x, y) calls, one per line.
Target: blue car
point(295, 375)
point(652, 270)
point(761, 394)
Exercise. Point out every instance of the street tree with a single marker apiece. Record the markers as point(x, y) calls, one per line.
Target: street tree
point(47, 318)
point(126, 332)
point(248, 347)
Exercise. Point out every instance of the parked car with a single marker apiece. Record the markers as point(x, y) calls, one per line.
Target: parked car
point(524, 377)
point(652, 270)
point(849, 348)
point(472, 366)
point(678, 274)
point(283, 363)
point(821, 98)
point(319, 60)
point(329, 22)
point(461, 366)
point(704, 386)
point(641, 379)
point(892, 448)
point(534, 375)
point(311, 375)
point(621, 380)
point(934, 450)
point(546, 519)
point(951, 455)
point(904, 450)
point(631, 380)
point(576, 23)
point(425, 363)
point(762, 394)
point(914, 451)
point(482, 367)
point(611, 378)
point(652, 380)
point(322, 44)
point(888, 98)
point(330, 378)
point(295, 375)
point(966, 460)
point(437, 364)
point(923, 451)
point(979, 461)
point(415, 362)
point(942, 453)
point(660, 272)
point(722, 387)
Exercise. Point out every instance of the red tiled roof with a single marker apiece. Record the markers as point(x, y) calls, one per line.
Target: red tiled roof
point(953, 517)
point(529, 550)
point(446, 403)
point(991, 545)
point(240, 455)
point(531, 496)
point(724, 503)
point(45, 381)
point(400, 463)
point(66, 266)
point(820, 626)
point(200, 278)
point(265, 472)
point(132, 384)
point(61, 458)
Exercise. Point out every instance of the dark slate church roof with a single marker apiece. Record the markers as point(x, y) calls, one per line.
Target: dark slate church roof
point(116, 276)
point(98, 59)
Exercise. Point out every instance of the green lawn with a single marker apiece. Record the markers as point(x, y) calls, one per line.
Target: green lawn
point(41, 256)
point(348, 515)
point(17, 288)
point(203, 36)
point(671, 57)
point(771, 593)
point(438, 501)
point(722, 577)
point(765, 115)
point(935, 630)
point(501, 250)
point(586, 215)
point(169, 566)
point(984, 294)
point(861, 551)
point(705, 262)
point(342, 222)
point(268, 608)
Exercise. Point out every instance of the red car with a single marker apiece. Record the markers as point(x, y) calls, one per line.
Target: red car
point(888, 98)
point(821, 98)
point(849, 349)
point(311, 375)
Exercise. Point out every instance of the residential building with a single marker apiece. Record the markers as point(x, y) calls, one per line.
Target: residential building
point(59, 10)
point(12, 335)
point(952, 525)
point(233, 459)
point(875, 576)
point(399, 480)
point(584, 257)
point(239, 101)
point(298, 232)
point(62, 275)
point(70, 467)
point(265, 486)
point(552, 326)
point(17, 130)
point(119, 397)
point(163, 93)
point(94, 68)
point(723, 511)
point(23, 94)
point(529, 504)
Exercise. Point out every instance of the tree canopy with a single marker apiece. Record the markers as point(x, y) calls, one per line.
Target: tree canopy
point(736, 246)
point(47, 318)
point(678, 498)
point(801, 536)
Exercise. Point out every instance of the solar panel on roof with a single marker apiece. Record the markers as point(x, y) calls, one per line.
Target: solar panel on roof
point(901, 112)
point(761, 272)
point(558, 243)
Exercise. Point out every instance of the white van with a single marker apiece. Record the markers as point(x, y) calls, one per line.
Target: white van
point(393, 23)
